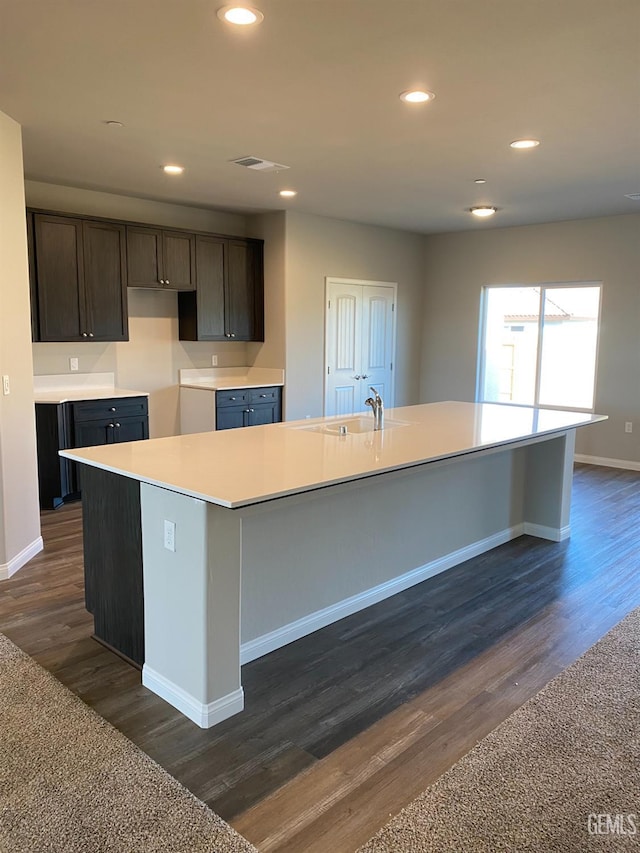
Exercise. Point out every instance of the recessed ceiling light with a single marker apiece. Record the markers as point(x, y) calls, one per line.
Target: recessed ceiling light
point(112, 123)
point(480, 181)
point(242, 16)
point(288, 193)
point(525, 143)
point(171, 169)
point(482, 210)
point(417, 96)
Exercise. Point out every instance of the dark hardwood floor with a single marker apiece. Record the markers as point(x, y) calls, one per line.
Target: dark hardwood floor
point(344, 727)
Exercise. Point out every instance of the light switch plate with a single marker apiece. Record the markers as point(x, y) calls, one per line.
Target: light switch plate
point(73, 364)
point(5, 385)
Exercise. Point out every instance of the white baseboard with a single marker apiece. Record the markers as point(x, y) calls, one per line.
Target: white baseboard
point(17, 562)
point(204, 716)
point(627, 464)
point(321, 618)
point(555, 534)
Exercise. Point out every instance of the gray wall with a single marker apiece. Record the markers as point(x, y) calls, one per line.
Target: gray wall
point(317, 247)
point(606, 249)
point(19, 511)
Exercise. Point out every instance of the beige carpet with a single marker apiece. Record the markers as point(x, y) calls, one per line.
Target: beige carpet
point(531, 785)
point(71, 782)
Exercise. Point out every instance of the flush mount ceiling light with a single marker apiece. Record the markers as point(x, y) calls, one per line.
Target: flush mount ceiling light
point(288, 193)
point(417, 96)
point(242, 16)
point(172, 169)
point(483, 210)
point(480, 181)
point(111, 123)
point(525, 143)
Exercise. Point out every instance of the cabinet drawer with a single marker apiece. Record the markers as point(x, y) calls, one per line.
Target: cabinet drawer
point(232, 398)
point(264, 395)
point(122, 407)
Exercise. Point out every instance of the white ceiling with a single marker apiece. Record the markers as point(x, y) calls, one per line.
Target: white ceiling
point(316, 85)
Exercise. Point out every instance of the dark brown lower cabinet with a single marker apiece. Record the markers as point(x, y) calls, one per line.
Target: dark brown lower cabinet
point(248, 407)
point(112, 530)
point(85, 423)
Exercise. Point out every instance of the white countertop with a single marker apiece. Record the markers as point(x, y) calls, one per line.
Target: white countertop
point(240, 467)
point(69, 387)
point(220, 378)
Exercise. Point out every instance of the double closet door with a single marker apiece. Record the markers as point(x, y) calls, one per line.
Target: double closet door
point(359, 344)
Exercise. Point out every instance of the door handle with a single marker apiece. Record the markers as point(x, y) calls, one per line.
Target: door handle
point(365, 375)
point(357, 377)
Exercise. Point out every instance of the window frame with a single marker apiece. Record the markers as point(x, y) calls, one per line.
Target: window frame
point(543, 287)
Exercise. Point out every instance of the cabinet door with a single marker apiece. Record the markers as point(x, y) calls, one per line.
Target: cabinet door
point(231, 417)
point(104, 281)
point(210, 264)
point(33, 291)
point(179, 260)
point(93, 433)
point(129, 429)
point(59, 275)
point(144, 257)
point(266, 414)
point(244, 308)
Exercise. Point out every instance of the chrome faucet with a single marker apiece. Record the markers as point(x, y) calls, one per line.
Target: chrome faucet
point(377, 407)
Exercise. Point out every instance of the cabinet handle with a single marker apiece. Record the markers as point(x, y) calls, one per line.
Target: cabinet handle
point(263, 395)
point(232, 398)
point(232, 335)
point(357, 376)
point(227, 335)
point(90, 334)
point(166, 281)
point(161, 281)
point(252, 410)
point(112, 409)
point(117, 425)
point(111, 426)
point(84, 334)
point(365, 375)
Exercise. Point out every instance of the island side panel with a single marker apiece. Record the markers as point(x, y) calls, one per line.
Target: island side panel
point(192, 605)
point(311, 559)
point(549, 480)
point(113, 560)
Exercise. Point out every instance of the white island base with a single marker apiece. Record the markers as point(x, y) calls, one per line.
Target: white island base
point(245, 581)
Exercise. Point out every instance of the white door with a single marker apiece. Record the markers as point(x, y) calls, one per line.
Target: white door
point(359, 344)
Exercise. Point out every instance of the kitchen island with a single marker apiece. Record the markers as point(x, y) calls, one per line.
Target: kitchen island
point(235, 543)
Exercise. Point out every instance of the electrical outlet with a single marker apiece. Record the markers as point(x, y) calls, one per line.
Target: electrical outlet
point(5, 386)
point(73, 364)
point(214, 361)
point(628, 426)
point(169, 535)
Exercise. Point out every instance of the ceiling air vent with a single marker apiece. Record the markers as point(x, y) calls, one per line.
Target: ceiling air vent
point(259, 165)
point(633, 196)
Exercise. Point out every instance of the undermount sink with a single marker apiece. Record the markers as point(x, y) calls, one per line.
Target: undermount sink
point(349, 426)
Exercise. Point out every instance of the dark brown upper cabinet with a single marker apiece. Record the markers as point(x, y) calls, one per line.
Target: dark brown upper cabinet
point(228, 303)
point(78, 274)
point(163, 260)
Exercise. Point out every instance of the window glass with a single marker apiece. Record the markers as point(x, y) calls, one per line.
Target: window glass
point(510, 344)
point(539, 345)
point(569, 346)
